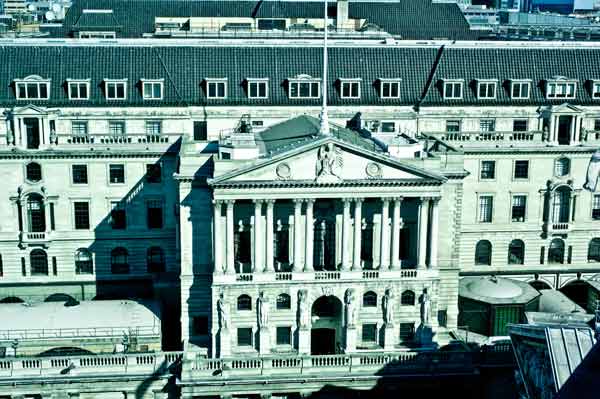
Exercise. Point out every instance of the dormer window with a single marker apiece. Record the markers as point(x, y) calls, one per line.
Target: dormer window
point(32, 88)
point(595, 88)
point(389, 88)
point(519, 90)
point(78, 89)
point(486, 89)
point(350, 88)
point(216, 88)
point(258, 88)
point(560, 88)
point(304, 87)
point(152, 89)
point(115, 89)
point(453, 89)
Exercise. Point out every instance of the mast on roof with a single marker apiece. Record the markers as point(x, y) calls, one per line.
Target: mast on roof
point(324, 116)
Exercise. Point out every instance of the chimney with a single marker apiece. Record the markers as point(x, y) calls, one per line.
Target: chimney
point(342, 14)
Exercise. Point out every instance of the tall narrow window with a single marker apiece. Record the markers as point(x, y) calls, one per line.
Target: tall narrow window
point(594, 250)
point(83, 261)
point(116, 173)
point(33, 172)
point(38, 262)
point(596, 207)
point(486, 208)
point(282, 245)
point(119, 263)
point(1, 267)
point(369, 333)
point(81, 215)
point(556, 252)
point(155, 260)
point(483, 253)
point(519, 204)
point(200, 131)
point(36, 213)
point(242, 247)
point(561, 205)
point(154, 213)
point(118, 217)
point(407, 332)
point(516, 252)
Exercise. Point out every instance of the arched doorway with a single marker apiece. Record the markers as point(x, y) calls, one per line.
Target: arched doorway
point(326, 326)
point(578, 292)
point(540, 285)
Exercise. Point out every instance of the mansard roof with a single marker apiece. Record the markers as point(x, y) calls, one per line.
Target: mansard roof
point(414, 19)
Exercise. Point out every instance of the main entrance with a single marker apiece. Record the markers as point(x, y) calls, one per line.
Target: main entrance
point(326, 326)
point(32, 130)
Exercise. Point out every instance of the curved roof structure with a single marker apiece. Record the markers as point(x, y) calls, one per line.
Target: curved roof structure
point(496, 290)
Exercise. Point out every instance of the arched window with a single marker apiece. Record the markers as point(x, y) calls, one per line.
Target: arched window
point(407, 298)
point(516, 252)
point(39, 262)
point(562, 167)
point(284, 301)
point(369, 299)
point(594, 250)
point(35, 213)
point(561, 204)
point(556, 252)
point(155, 260)
point(483, 253)
point(33, 172)
point(84, 263)
point(118, 261)
point(244, 302)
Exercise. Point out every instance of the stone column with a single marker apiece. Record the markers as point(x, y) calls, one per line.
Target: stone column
point(396, 223)
point(257, 261)
point(217, 237)
point(269, 268)
point(297, 266)
point(346, 254)
point(230, 268)
point(357, 233)
point(423, 209)
point(435, 214)
point(384, 253)
point(309, 236)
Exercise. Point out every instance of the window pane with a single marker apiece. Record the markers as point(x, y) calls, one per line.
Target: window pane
point(304, 90)
point(117, 173)
point(518, 208)
point(314, 90)
point(485, 208)
point(284, 336)
point(82, 215)
point(80, 174)
point(369, 332)
point(488, 169)
point(253, 89)
point(395, 88)
point(521, 169)
point(154, 214)
point(120, 90)
point(221, 89)
point(262, 89)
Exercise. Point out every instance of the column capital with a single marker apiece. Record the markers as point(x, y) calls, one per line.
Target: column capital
point(229, 201)
point(425, 199)
point(386, 199)
point(309, 200)
point(217, 203)
point(298, 201)
point(358, 200)
point(347, 202)
point(258, 201)
point(435, 200)
point(269, 201)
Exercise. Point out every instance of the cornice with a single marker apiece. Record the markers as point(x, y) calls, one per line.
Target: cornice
point(312, 183)
point(83, 154)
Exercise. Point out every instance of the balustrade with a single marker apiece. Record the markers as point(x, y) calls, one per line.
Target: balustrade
point(327, 275)
point(495, 136)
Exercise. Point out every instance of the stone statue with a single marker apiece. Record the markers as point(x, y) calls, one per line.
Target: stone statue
point(223, 311)
point(303, 314)
point(53, 137)
point(10, 138)
point(425, 307)
point(262, 307)
point(350, 307)
point(329, 161)
point(388, 307)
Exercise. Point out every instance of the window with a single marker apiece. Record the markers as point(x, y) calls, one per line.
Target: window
point(561, 203)
point(155, 260)
point(118, 220)
point(350, 89)
point(216, 89)
point(453, 126)
point(282, 243)
point(369, 299)
point(200, 131)
point(116, 173)
point(304, 89)
point(115, 90)
point(242, 247)
point(152, 90)
point(487, 125)
point(153, 173)
point(520, 125)
point(118, 261)
point(244, 337)
point(79, 90)
point(562, 167)
point(284, 301)
point(84, 263)
point(407, 332)
point(258, 88)
point(595, 89)
point(519, 205)
point(390, 89)
point(1, 267)
point(79, 128)
point(200, 325)
point(39, 262)
point(596, 124)
point(521, 170)
point(556, 252)
point(154, 214)
point(388, 127)
point(486, 90)
point(486, 208)
point(79, 174)
point(32, 88)
point(519, 90)
point(81, 211)
point(369, 333)
point(244, 302)
point(453, 90)
point(594, 250)
point(33, 172)
point(116, 128)
point(488, 170)
point(483, 253)
point(153, 128)
point(284, 335)
point(407, 298)
point(36, 213)
point(516, 252)
point(560, 90)
point(596, 207)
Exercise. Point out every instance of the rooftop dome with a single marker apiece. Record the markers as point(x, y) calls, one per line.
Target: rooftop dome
point(496, 290)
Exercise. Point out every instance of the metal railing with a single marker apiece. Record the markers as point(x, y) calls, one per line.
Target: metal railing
point(494, 136)
point(92, 332)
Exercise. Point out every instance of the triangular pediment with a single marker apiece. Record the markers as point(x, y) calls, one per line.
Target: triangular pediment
point(565, 108)
point(30, 109)
point(327, 161)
